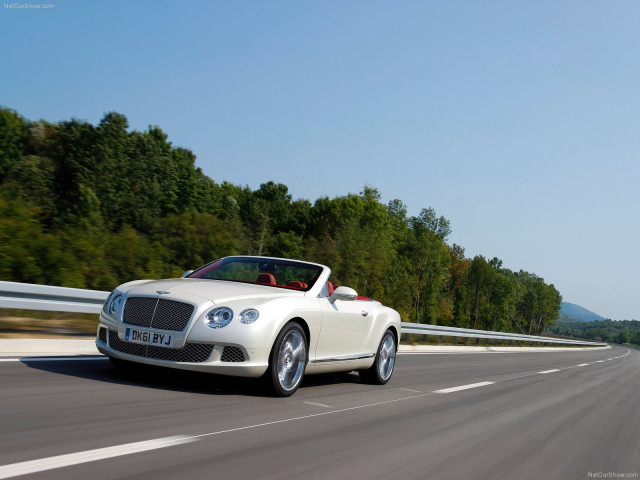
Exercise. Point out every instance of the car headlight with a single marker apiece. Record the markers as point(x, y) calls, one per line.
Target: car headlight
point(114, 304)
point(249, 315)
point(105, 306)
point(219, 317)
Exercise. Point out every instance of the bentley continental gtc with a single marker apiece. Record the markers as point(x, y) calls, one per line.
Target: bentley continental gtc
point(246, 316)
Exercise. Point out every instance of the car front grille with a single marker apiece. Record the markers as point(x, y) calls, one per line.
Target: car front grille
point(158, 313)
point(190, 353)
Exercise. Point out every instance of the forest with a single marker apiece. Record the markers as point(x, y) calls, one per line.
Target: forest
point(623, 332)
point(93, 206)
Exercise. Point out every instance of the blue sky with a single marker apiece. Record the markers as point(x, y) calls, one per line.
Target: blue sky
point(517, 121)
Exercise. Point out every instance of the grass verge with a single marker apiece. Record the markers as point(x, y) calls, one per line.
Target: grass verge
point(37, 324)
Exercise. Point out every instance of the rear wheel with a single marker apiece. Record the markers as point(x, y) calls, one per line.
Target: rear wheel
point(382, 368)
point(288, 361)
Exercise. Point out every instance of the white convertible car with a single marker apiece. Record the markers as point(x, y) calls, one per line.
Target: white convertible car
point(252, 317)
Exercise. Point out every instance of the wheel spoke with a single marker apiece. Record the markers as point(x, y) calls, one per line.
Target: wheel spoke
point(298, 351)
point(386, 357)
point(291, 357)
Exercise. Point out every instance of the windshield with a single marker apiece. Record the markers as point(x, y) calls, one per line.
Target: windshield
point(262, 271)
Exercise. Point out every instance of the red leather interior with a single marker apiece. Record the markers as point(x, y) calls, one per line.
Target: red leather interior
point(266, 279)
point(330, 287)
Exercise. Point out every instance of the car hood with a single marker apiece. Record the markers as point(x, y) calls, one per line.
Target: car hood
point(213, 290)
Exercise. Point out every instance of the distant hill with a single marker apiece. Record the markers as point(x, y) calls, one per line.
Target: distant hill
point(575, 313)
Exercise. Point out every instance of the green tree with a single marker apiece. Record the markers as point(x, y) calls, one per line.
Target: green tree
point(428, 269)
point(75, 166)
point(93, 206)
point(456, 306)
point(192, 239)
point(624, 337)
point(13, 136)
point(32, 180)
point(438, 225)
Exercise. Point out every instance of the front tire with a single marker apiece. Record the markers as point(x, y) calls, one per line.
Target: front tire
point(382, 368)
point(287, 361)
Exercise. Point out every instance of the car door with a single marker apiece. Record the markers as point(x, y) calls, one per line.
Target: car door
point(346, 324)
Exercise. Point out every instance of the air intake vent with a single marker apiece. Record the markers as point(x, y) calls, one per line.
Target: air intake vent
point(232, 354)
point(191, 353)
point(102, 335)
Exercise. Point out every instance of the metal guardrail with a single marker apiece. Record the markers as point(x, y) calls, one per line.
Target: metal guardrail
point(437, 330)
point(27, 296)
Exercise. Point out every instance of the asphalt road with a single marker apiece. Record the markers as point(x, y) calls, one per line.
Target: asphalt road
point(511, 421)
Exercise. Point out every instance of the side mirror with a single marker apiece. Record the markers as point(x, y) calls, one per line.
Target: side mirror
point(343, 293)
point(187, 273)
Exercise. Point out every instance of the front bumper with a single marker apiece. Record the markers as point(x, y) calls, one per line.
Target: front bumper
point(222, 359)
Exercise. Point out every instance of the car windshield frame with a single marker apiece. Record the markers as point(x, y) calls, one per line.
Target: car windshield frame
point(288, 274)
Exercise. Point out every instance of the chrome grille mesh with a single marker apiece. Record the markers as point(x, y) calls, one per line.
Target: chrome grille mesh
point(172, 315)
point(157, 313)
point(126, 347)
point(191, 353)
point(139, 311)
point(232, 354)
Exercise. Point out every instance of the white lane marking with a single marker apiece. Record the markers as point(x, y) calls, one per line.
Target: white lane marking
point(51, 359)
point(318, 404)
point(517, 377)
point(409, 390)
point(582, 365)
point(304, 417)
point(34, 466)
point(23, 468)
point(448, 353)
point(599, 361)
point(548, 371)
point(463, 387)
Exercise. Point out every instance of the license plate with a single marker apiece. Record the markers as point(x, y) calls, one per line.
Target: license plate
point(146, 337)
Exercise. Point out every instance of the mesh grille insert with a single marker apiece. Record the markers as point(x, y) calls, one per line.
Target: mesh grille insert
point(102, 335)
point(232, 354)
point(139, 311)
point(157, 313)
point(172, 315)
point(126, 347)
point(191, 352)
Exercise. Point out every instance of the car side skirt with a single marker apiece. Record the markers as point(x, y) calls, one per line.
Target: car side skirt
point(344, 359)
point(340, 365)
